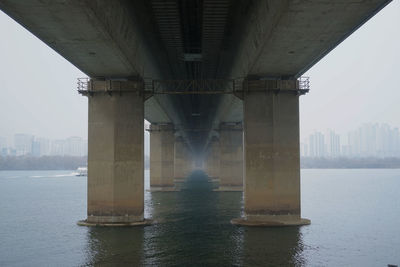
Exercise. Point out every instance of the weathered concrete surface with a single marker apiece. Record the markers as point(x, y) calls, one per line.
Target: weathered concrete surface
point(231, 157)
point(145, 222)
point(285, 38)
point(271, 153)
point(241, 38)
point(183, 161)
point(115, 155)
point(270, 38)
point(162, 141)
point(260, 39)
point(212, 159)
point(271, 221)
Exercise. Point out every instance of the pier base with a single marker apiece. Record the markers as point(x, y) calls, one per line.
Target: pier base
point(145, 222)
point(272, 220)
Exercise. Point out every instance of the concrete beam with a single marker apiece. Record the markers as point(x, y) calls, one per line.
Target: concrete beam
point(281, 39)
point(104, 39)
point(285, 38)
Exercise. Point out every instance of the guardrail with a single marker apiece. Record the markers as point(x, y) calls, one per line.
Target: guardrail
point(304, 83)
point(192, 87)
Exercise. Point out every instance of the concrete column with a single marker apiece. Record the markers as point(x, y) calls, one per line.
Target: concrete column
point(162, 142)
point(115, 153)
point(183, 164)
point(231, 157)
point(212, 159)
point(271, 154)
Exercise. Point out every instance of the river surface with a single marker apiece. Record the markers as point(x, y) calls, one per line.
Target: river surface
point(355, 221)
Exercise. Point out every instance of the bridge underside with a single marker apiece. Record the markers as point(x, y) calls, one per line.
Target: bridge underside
point(192, 40)
point(217, 79)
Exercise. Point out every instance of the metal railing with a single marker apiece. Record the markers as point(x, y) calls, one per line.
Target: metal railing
point(222, 86)
point(83, 84)
point(193, 87)
point(304, 83)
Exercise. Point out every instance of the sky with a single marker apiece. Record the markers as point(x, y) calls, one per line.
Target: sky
point(355, 83)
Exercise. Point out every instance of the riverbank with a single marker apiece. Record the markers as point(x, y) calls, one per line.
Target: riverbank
point(19, 163)
point(349, 163)
point(42, 163)
point(72, 163)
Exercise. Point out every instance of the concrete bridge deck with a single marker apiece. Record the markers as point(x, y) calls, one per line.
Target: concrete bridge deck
point(249, 140)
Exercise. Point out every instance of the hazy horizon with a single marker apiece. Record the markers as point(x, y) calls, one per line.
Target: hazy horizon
point(352, 85)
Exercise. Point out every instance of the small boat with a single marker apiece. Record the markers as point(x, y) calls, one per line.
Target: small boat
point(81, 171)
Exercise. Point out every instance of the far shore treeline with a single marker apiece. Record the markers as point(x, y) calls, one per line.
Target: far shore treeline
point(72, 163)
point(46, 162)
point(42, 163)
point(349, 163)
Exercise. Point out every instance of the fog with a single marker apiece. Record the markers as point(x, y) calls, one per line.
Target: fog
point(355, 83)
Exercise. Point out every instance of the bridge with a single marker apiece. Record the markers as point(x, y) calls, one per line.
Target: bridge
point(219, 81)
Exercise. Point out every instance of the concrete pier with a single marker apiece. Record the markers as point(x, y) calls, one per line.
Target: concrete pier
point(162, 141)
point(212, 160)
point(115, 154)
point(192, 78)
point(231, 157)
point(272, 154)
point(183, 163)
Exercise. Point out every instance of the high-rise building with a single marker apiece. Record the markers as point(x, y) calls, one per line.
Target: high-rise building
point(58, 147)
point(72, 146)
point(396, 142)
point(23, 144)
point(3, 142)
point(332, 144)
point(374, 140)
point(304, 150)
point(36, 148)
point(75, 146)
point(368, 140)
point(316, 145)
point(44, 145)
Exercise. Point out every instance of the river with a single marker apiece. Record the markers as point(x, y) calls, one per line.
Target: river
point(355, 221)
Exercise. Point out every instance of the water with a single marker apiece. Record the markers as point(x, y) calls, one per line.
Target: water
point(355, 222)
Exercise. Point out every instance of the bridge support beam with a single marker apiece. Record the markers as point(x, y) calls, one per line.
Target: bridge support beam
point(162, 142)
point(115, 154)
point(231, 157)
point(212, 160)
point(183, 163)
point(272, 155)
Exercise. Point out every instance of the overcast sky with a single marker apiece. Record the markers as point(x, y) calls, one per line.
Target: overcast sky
point(356, 83)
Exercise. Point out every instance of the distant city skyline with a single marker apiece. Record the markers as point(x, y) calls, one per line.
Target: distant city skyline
point(367, 140)
point(353, 84)
point(27, 144)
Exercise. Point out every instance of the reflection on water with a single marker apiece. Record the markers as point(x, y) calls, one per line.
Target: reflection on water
point(355, 222)
point(109, 246)
point(275, 246)
point(193, 228)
